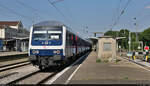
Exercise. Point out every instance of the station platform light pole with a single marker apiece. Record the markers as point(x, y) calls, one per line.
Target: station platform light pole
point(136, 27)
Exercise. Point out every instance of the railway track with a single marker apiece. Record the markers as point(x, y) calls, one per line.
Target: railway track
point(15, 65)
point(37, 77)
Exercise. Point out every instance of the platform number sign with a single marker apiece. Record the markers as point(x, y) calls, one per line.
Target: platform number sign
point(146, 48)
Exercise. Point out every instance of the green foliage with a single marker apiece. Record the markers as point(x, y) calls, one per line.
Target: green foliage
point(145, 36)
point(105, 61)
point(98, 60)
point(112, 33)
point(134, 45)
point(117, 60)
point(121, 33)
point(133, 37)
point(126, 78)
point(124, 42)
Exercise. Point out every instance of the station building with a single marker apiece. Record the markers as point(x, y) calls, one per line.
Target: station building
point(13, 36)
point(105, 47)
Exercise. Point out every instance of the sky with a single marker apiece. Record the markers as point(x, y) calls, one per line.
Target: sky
point(83, 16)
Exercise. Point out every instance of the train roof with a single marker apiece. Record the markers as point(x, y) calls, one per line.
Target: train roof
point(54, 24)
point(49, 23)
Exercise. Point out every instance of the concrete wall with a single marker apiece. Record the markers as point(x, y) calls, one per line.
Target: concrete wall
point(104, 52)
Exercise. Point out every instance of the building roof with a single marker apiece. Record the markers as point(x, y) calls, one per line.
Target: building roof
point(9, 23)
point(105, 37)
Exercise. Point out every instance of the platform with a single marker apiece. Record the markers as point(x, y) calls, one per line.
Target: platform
point(12, 53)
point(122, 72)
point(7, 58)
point(9, 62)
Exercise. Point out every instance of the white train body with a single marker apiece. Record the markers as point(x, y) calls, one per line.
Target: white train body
point(51, 43)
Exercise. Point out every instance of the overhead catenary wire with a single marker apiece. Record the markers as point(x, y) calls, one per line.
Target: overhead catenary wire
point(60, 12)
point(53, 4)
point(68, 11)
point(118, 7)
point(120, 14)
point(4, 14)
point(35, 12)
point(14, 12)
point(56, 1)
point(26, 5)
point(141, 12)
point(116, 13)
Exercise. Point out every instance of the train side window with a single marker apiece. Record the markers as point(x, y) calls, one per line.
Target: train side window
point(67, 36)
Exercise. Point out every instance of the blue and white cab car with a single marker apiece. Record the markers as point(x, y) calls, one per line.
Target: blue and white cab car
point(51, 44)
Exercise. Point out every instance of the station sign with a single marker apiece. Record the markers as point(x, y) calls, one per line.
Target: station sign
point(146, 48)
point(136, 53)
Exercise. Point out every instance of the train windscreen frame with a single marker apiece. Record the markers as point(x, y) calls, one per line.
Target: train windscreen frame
point(53, 35)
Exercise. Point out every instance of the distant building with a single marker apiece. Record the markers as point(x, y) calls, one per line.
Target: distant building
point(10, 29)
point(12, 24)
point(14, 36)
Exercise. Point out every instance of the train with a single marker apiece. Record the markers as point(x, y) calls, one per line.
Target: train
point(1, 45)
point(52, 43)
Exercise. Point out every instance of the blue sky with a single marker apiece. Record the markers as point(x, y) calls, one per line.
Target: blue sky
point(97, 15)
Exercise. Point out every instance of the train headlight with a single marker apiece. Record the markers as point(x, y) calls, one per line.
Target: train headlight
point(56, 51)
point(35, 51)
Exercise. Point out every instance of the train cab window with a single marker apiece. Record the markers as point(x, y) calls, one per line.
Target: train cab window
point(39, 35)
point(39, 32)
point(54, 35)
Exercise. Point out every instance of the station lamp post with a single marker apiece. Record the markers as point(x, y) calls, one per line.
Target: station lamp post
point(136, 25)
point(118, 38)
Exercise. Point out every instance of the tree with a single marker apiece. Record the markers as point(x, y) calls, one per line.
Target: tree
point(122, 33)
point(145, 36)
point(111, 33)
point(124, 42)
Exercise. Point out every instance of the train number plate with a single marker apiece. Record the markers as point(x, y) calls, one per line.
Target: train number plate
point(44, 47)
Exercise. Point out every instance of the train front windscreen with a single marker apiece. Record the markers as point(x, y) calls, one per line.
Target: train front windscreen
point(49, 37)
